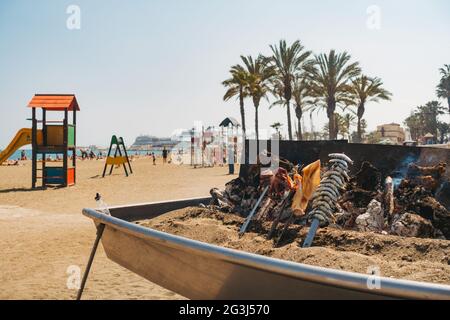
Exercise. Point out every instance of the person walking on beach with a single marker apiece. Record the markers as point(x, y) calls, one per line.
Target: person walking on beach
point(164, 154)
point(154, 158)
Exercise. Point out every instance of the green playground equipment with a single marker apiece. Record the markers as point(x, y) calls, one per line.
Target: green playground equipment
point(120, 156)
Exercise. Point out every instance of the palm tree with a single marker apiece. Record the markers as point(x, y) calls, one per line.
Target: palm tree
point(260, 72)
point(347, 120)
point(330, 76)
point(429, 114)
point(289, 62)
point(444, 129)
point(301, 95)
point(414, 123)
point(237, 86)
point(443, 88)
point(364, 90)
point(424, 119)
point(363, 125)
point(314, 105)
point(342, 124)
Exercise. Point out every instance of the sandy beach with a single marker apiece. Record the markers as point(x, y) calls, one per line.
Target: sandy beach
point(43, 233)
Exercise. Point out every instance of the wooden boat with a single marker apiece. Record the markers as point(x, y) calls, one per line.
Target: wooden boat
point(198, 270)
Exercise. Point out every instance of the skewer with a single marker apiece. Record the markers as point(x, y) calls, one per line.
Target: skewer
point(252, 213)
point(286, 226)
point(277, 219)
point(288, 223)
point(311, 233)
point(334, 180)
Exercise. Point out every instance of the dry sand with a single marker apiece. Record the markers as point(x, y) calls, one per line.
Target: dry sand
point(43, 233)
point(416, 259)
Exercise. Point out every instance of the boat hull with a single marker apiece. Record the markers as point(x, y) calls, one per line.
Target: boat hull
point(198, 270)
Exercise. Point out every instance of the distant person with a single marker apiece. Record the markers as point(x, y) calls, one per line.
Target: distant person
point(230, 161)
point(84, 154)
point(23, 155)
point(164, 154)
point(154, 158)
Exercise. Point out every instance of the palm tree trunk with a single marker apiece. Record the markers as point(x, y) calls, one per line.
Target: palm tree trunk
point(256, 123)
point(331, 130)
point(299, 114)
point(360, 114)
point(331, 127)
point(299, 133)
point(331, 107)
point(336, 128)
point(359, 135)
point(241, 104)
point(448, 101)
point(289, 119)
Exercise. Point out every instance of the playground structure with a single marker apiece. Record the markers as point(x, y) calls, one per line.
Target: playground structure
point(22, 138)
point(56, 137)
point(120, 156)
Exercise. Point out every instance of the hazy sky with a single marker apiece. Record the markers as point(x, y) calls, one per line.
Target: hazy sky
point(149, 67)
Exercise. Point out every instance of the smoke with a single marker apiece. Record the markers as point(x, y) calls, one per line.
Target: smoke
point(400, 172)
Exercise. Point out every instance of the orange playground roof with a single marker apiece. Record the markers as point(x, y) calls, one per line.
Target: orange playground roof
point(56, 102)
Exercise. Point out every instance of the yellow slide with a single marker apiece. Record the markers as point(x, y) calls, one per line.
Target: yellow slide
point(22, 138)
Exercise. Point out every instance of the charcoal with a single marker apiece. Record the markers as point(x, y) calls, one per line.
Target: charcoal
point(367, 178)
point(429, 178)
point(220, 200)
point(436, 171)
point(429, 208)
point(417, 199)
point(348, 214)
point(443, 194)
point(360, 197)
point(412, 225)
point(415, 203)
point(372, 219)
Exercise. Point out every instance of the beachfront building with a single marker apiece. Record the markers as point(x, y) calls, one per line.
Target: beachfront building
point(392, 132)
point(429, 138)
